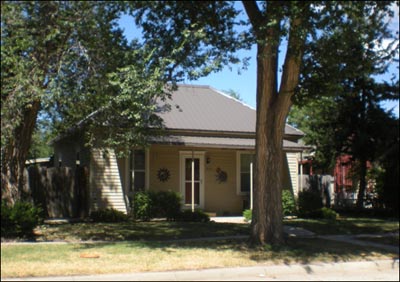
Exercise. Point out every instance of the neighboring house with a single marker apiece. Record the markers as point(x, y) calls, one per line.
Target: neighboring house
point(344, 180)
point(209, 129)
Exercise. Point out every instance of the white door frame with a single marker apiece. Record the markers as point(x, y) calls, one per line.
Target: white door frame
point(183, 155)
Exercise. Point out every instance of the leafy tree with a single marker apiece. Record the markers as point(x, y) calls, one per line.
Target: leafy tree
point(205, 32)
point(316, 119)
point(349, 119)
point(41, 137)
point(69, 59)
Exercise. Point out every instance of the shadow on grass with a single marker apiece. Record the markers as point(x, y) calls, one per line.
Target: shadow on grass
point(136, 231)
point(346, 225)
point(159, 235)
point(296, 250)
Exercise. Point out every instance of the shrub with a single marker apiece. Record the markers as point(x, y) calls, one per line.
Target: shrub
point(166, 204)
point(143, 206)
point(328, 213)
point(247, 214)
point(20, 219)
point(108, 215)
point(288, 203)
point(310, 203)
point(149, 204)
point(196, 216)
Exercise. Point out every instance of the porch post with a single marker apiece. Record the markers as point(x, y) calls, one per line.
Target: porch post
point(192, 182)
point(251, 185)
point(301, 171)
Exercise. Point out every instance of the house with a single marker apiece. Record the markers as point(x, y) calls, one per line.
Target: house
point(206, 156)
point(343, 179)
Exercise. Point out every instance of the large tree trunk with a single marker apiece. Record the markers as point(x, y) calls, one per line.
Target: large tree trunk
point(272, 109)
point(15, 154)
point(267, 214)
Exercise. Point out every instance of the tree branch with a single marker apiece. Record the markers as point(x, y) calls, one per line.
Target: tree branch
point(254, 14)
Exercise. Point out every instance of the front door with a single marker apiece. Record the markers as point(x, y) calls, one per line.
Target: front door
point(192, 171)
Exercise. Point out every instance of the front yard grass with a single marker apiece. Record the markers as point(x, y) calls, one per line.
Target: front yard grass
point(120, 257)
point(149, 246)
point(346, 225)
point(133, 231)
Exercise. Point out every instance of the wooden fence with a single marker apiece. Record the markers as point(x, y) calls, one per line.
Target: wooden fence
point(324, 184)
point(63, 192)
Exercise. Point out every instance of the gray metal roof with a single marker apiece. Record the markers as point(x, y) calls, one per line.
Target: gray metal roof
point(218, 142)
point(199, 107)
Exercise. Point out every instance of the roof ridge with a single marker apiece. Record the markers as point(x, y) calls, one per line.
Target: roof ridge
point(193, 85)
point(233, 98)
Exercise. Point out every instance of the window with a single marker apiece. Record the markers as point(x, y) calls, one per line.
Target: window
point(137, 171)
point(245, 161)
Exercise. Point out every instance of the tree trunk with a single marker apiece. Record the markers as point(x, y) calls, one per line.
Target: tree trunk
point(15, 153)
point(363, 184)
point(267, 225)
point(267, 213)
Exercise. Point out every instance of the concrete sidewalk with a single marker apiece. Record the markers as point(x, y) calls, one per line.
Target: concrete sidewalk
point(383, 270)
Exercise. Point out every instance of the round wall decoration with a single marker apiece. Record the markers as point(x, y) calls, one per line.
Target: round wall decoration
point(163, 174)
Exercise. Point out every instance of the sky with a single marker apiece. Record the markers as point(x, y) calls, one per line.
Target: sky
point(242, 81)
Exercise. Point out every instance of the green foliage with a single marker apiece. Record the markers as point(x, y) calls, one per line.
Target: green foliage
point(167, 204)
point(41, 137)
point(19, 220)
point(150, 204)
point(310, 203)
point(196, 216)
point(108, 215)
point(143, 205)
point(197, 40)
point(288, 203)
point(247, 214)
point(288, 206)
point(328, 213)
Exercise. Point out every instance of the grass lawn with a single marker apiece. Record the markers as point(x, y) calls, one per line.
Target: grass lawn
point(119, 257)
point(147, 246)
point(346, 225)
point(133, 231)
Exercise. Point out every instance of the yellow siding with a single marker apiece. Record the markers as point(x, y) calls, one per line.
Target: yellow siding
point(164, 157)
point(108, 177)
point(222, 197)
point(292, 159)
point(105, 182)
point(218, 197)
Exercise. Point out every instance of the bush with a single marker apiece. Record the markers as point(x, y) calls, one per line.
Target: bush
point(196, 216)
point(20, 219)
point(166, 204)
point(247, 214)
point(143, 206)
point(288, 203)
point(149, 204)
point(310, 203)
point(108, 215)
point(328, 213)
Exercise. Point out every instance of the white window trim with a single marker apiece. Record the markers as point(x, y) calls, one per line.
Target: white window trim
point(182, 156)
point(238, 172)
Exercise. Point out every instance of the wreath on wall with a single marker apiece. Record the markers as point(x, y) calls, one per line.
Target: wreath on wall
point(163, 174)
point(221, 175)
